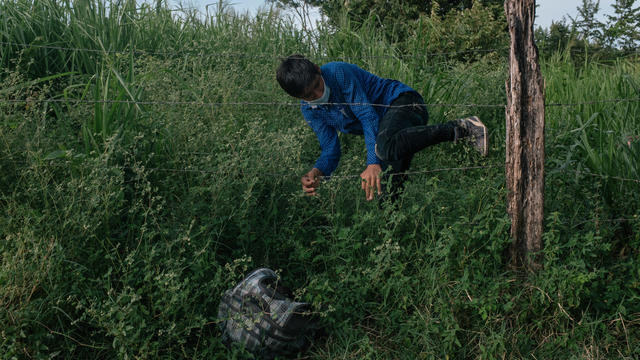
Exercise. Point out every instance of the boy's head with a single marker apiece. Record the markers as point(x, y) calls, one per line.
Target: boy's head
point(300, 78)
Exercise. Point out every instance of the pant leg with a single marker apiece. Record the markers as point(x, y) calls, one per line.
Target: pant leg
point(404, 131)
point(394, 121)
point(394, 177)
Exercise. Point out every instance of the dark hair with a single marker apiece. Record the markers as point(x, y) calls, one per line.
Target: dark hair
point(295, 74)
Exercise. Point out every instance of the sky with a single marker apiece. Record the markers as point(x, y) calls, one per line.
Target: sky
point(554, 10)
point(547, 11)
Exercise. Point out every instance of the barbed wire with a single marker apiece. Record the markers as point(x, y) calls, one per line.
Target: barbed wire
point(211, 104)
point(204, 53)
point(417, 172)
point(604, 101)
point(349, 176)
point(635, 218)
point(464, 168)
point(275, 103)
point(409, 56)
point(51, 47)
point(578, 172)
point(232, 103)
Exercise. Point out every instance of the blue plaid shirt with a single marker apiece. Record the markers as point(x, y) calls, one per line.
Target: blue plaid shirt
point(349, 84)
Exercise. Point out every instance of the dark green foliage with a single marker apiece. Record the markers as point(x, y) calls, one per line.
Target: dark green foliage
point(555, 39)
point(587, 37)
point(622, 27)
point(458, 33)
point(122, 224)
point(586, 23)
point(394, 19)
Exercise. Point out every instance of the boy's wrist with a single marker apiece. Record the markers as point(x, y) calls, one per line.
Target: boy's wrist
point(316, 172)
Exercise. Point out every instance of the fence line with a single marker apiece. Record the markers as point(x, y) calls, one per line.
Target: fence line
point(634, 217)
point(605, 220)
point(578, 172)
point(592, 102)
point(418, 172)
point(245, 55)
point(355, 176)
point(238, 103)
point(350, 176)
point(465, 168)
point(274, 103)
point(204, 53)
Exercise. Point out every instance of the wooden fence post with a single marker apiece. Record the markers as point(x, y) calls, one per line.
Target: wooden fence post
point(525, 136)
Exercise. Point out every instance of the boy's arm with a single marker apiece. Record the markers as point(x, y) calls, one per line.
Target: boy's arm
point(329, 143)
point(355, 94)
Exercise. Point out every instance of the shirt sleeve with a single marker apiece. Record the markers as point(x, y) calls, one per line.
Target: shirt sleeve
point(329, 143)
point(354, 93)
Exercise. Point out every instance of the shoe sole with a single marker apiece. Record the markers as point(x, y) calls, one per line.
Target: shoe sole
point(485, 142)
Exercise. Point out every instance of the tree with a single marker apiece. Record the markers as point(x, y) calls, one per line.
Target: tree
point(586, 23)
point(556, 38)
point(393, 16)
point(622, 28)
point(460, 31)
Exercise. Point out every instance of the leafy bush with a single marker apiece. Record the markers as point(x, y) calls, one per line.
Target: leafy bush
point(460, 34)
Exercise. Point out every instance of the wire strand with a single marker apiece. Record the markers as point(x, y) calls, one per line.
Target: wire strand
point(354, 176)
point(635, 218)
point(578, 172)
point(237, 103)
point(204, 53)
point(274, 103)
point(465, 168)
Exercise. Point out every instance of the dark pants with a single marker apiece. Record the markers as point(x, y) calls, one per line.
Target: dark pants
point(402, 132)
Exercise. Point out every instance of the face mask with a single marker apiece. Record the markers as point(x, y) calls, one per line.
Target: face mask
point(325, 95)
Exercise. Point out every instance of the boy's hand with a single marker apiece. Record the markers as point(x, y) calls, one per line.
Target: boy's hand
point(310, 181)
point(371, 180)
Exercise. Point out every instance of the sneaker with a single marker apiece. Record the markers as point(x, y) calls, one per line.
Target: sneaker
point(474, 128)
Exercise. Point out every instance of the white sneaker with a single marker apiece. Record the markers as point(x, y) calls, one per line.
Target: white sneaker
point(474, 128)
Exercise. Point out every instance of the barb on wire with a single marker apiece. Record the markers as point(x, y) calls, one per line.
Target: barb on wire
point(204, 53)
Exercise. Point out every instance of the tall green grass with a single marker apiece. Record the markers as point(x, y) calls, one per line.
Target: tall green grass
point(123, 224)
point(600, 133)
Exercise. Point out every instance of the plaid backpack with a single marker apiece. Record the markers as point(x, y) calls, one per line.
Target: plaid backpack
point(256, 314)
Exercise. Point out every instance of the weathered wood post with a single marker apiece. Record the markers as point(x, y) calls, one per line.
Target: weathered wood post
point(525, 136)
